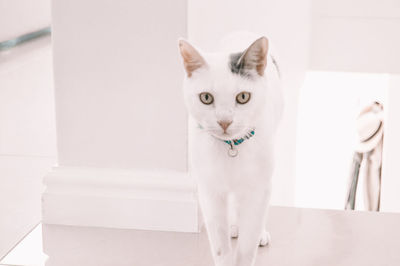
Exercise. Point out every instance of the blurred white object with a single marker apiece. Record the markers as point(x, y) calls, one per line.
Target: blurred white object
point(367, 161)
point(369, 126)
point(328, 108)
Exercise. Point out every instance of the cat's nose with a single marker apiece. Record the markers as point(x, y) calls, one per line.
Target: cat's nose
point(224, 124)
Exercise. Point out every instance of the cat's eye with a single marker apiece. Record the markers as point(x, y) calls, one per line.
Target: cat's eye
point(206, 98)
point(243, 97)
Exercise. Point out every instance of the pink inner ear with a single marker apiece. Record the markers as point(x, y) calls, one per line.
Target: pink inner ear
point(192, 60)
point(256, 55)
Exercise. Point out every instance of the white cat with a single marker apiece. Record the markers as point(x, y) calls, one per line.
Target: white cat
point(235, 101)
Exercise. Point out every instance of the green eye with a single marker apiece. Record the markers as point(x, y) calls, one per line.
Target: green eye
point(243, 97)
point(206, 98)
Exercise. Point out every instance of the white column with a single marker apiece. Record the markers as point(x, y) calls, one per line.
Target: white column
point(121, 121)
point(118, 83)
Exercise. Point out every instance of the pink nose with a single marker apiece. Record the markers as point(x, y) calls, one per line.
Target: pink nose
point(224, 124)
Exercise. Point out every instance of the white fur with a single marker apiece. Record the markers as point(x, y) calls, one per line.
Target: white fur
point(241, 184)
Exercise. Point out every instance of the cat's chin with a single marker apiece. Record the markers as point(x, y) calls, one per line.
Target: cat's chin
point(228, 136)
point(223, 136)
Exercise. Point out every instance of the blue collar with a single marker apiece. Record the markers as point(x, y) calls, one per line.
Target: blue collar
point(233, 152)
point(241, 140)
point(235, 142)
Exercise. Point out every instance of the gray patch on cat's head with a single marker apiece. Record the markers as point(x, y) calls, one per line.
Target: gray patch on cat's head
point(238, 66)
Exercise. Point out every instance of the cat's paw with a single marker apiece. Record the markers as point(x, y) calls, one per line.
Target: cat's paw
point(234, 231)
point(265, 238)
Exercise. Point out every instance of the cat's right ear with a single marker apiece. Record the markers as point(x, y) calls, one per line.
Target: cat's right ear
point(192, 60)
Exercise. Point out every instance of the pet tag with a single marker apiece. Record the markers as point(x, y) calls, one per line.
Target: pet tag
point(232, 152)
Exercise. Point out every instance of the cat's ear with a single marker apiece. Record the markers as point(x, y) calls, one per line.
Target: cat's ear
point(255, 57)
point(192, 60)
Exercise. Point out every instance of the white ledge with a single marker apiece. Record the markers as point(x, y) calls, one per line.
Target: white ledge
point(118, 198)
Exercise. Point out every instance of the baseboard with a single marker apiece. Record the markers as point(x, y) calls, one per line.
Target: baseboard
point(116, 198)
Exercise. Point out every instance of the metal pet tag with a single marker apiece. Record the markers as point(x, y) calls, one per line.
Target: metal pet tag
point(233, 152)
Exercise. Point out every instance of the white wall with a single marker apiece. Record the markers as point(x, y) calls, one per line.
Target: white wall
point(356, 36)
point(18, 17)
point(27, 137)
point(27, 125)
point(287, 24)
point(390, 200)
point(118, 83)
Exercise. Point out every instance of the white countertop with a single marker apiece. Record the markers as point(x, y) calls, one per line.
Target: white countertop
point(299, 237)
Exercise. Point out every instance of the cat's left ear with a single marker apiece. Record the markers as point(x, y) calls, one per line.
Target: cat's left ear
point(192, 60)
point(255, 57)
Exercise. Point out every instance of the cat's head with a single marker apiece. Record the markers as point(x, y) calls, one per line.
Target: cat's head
point(225, 93)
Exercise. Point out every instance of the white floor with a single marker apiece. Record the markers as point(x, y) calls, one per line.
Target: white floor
point(20, 190)
point(299, 237)
point(28, 251)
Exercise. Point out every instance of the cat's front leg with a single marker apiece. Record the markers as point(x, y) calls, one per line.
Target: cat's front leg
point(214, 207)
point(253, 209)
point(234, 229)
